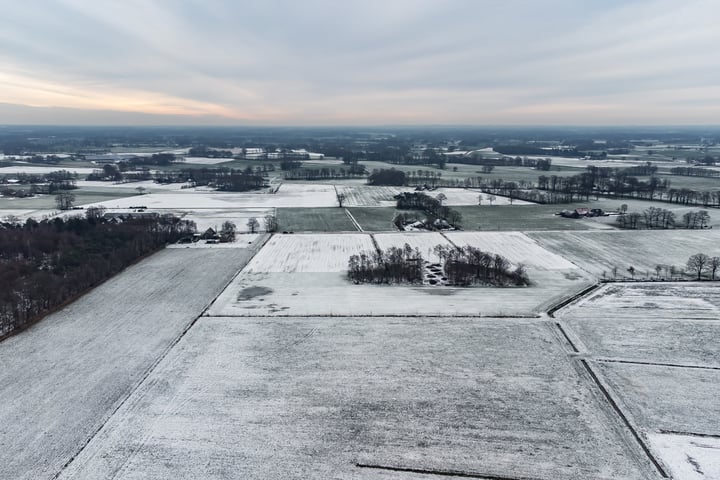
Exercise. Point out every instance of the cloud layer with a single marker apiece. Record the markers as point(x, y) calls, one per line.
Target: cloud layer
point(360, 62)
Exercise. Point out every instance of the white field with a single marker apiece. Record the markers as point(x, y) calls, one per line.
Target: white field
point(308, 398)
point(289, 195)
point(63, 378)
point(649, 301)
point(306, 275)
point(689, 457)
point(515, 246)
point(370, 196)
point(600, 251)
point(148, 185)
point(41, 170)
point(657, 397)
point(423, 241)
point(214, 218)
point(308, 253)
point(463, 196)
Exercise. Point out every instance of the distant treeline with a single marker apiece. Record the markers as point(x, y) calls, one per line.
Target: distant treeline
point(223, 179)
point(43, 264)
point(694, 172)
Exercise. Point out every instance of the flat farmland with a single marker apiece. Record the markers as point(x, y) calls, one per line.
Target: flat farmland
point(648, 301)
point(425, 242)
point(370, 196)
point(689, 457)
point(311, 397)
point(306, 275)
point(330, 219)
point(61, 379)
point(654, 345)
point(308, 253)
point(515, 246)
point(662, 398)
point(523, 218)
point(375, 219)
point(599, 252)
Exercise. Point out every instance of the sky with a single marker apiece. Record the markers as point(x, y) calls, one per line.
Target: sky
point(369, 62)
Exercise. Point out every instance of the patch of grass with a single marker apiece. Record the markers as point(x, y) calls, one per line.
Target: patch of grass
point(329, 219)
point(374, 219)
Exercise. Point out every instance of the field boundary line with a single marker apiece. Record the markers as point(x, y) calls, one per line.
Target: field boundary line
point(151, 369)
point(389, 315)
point(441, 473)
point(564, 334)
point(623, 417)
point(256, 250)
point(564, 303)
point(656, 364)
point(352, 219)
point(689, 434)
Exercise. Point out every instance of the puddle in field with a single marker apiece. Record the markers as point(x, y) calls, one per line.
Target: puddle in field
point(249, 293)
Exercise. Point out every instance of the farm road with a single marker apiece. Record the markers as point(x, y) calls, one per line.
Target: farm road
point(63, 378)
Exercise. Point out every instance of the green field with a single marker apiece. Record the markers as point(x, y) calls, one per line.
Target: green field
point(314, 220)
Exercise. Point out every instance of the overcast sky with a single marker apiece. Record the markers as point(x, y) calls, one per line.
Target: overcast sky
point(369, 62)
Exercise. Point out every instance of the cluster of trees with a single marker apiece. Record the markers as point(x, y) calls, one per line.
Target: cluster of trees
point(435, 211)
point(385, 176)
point(471, 266)
point(654, 217)
point(203, 151)
point(462, 266)
point(394, 265)
point(43, 264)
point(701, 263)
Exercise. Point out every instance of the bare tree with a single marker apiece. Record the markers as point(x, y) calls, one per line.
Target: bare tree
point(271, 223)
point(228, 230)
point(491, 199)
point(714, 265)
point(253, 224)
point(340, 198)
point(480, 199)
point(64, 200)
point(658, 269)
point(441, 197)
point(631, 271)
point(698, 263)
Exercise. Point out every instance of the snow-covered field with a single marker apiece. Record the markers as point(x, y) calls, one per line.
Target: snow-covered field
point(41, 170)
point(515, 246)
point(311, 397)
point(423, 241)
point(308, 253)
point(600, 251)
point(689, 457)
point(289, 195)
point(370, 196)
point(304, 274)
point(61, 379)
point(658, 397)
point(654, 345)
